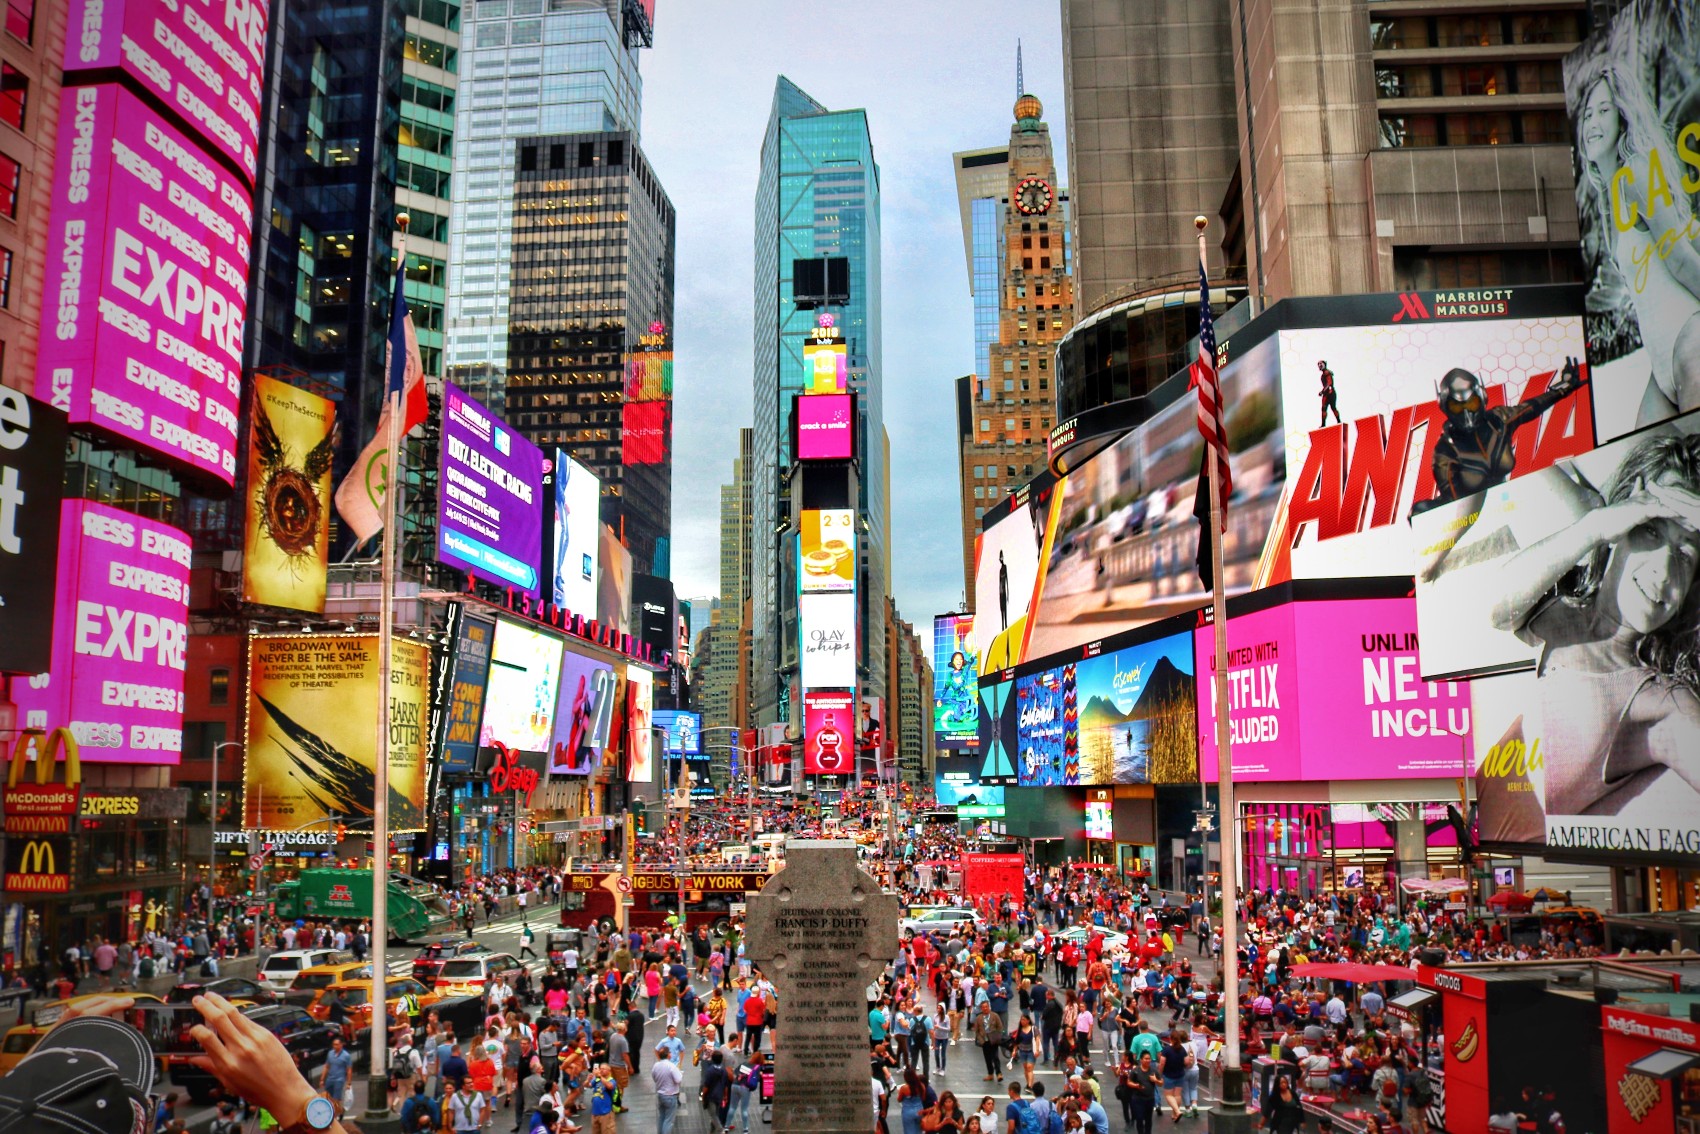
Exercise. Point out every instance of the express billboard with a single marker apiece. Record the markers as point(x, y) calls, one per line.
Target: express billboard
point(519, 701)
point(120, 640)
point(827, 632)
point(489, 519)
point(956, 681)
point(1327, 690)
point(466, 694)
point(829, 721)
point(826, 550)
point(577, 536)
point(203, 58)
point(147, 264)
point(286, 551)
point(826, 427)
point(32, 479)
point(1628, 89)
point(584, 712)
point(311, 745)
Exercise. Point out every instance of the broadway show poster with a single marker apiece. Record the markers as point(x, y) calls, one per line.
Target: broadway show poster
point(1138, 715)
point(1387, 422)
point(956, 680)
point(291, 439)
point(312, 708)
point(1599, 547)
point(1046, 710)
point(1630, 91)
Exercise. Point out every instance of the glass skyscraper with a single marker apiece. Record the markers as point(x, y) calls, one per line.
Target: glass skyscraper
point(528, 67)
point(819, 195)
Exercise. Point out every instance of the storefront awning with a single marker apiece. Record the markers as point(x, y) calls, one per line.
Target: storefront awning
point(1406, 1005)
point(1666, 1063)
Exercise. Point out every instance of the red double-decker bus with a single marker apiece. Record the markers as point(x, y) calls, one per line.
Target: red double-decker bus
point(709, 896)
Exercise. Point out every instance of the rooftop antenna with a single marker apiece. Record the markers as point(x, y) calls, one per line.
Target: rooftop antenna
point(1020, 84)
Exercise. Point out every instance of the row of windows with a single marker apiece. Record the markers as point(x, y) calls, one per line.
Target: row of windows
point(1528, 127)
point(14, 95)
point(428, 52)
point(1402, 32)
point(20, 19)
point(443, 13)
point(1493, 79)
point(422, 179)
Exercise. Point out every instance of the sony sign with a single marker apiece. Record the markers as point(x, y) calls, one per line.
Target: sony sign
point(32, 476)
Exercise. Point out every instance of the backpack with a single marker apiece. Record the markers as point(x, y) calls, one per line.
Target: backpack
point(1056, 1121)
point(752, 1077)
point(1027, 1118)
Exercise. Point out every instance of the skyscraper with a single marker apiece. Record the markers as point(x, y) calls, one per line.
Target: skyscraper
point(532, 67)
point(591, 274)
point(819, 196)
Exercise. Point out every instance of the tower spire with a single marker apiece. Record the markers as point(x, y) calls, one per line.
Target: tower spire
point(1020, 84)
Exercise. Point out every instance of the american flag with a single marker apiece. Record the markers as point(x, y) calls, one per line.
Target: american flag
point(1203, 376)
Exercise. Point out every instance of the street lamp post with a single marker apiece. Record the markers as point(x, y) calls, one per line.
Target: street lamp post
point(212, 825)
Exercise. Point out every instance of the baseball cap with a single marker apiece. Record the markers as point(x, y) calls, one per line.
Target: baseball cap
point(91, 1075)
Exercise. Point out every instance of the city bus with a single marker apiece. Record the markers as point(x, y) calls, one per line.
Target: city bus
point(709, 897)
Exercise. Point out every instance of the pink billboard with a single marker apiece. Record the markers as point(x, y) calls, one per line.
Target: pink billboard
point(826, 427)
point(1331, 690)
point(147, 276)
point(203, 58)
point(120, 641)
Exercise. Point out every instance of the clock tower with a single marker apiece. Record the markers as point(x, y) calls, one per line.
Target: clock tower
point(1002, 428)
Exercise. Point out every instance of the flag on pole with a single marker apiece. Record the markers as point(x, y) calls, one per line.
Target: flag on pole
point(360, 496)
point(1203, 377)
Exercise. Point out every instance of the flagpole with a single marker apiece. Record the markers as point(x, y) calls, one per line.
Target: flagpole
point(377, 1087)
point(1233, 1076)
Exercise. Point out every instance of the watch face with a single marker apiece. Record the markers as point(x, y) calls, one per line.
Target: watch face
point(320, 1114)
point(1033, 196)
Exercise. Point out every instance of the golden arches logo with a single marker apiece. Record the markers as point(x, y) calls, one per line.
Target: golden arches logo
point(37, 858)
point(46, 756)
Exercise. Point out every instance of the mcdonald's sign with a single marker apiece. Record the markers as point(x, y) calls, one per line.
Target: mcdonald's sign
point(32, 866)
point(44, 807)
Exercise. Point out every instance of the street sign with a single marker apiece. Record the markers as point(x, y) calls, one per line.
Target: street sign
point(1204, 820)
point(525, 826)
point(623, 884)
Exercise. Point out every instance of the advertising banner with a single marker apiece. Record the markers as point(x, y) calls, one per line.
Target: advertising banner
point(644, 432)
point(640, 742)
point(994, 876)
point(32, 479)
point(953, 789)
point(578, 535)
point(120, 639)
point(147, 256)
point(828, 732)
point(1331, 690)
point(827, 630)
point(519, 701)
point(826, 427)
point(466, 693)
point(956, 680)
point(584, 714)
point(1508, 572)
point(614, 590)
point(1008, 557)
point(1100, 822)
point(203, 58)
point(1629, 91)
point(683, 732)
point(291, 440)
point(999, 733)
point(489, 517)
point(827, 366)
point(826, 546)
point(312, 701)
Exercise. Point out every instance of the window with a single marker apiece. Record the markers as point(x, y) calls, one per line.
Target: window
point(14, 93)
point(10, 172)
point(218, 687)
point(979, 471)
point(20, 19)
point(979, 492)
point(586, 154)
point(616, 153)
point(528, 159)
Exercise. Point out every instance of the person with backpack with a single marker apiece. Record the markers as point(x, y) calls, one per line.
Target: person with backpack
point(920, 1046)
point(1022, 1116)
point(419, 1113)
point(746, 1086)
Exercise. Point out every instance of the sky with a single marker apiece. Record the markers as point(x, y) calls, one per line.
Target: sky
point(935, 77)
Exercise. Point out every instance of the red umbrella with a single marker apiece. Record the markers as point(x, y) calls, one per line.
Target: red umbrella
point(1354, 971)
point(1511, 901)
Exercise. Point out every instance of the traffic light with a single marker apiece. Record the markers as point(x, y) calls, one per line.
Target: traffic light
point(341, 832)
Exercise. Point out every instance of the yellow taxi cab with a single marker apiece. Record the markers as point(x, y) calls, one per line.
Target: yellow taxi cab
point(310, 982)
point(355, 1000)
point(21, 1040)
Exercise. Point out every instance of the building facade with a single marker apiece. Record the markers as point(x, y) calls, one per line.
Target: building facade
point(31, 47)
point(1004, 424)
point(591, 274)
point(819, 196)
point(531, 67)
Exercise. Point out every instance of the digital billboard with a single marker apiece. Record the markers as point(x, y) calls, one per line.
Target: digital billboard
point(1628, 89)
point(640, 742)
point(1008, 556)
point(489, 516)
point(999, 733)
point(204, 59)
point(644, 433)
point(466, 695)
point(826, 427)
point(1100, 815)
point(683, 730)
point(826, 550)
point(120, 639)
point(32, 480)
point(1330, 690)
point(956, 681)
point(952, 790)
point(519, 702)
point(827, 640)
point(310, 736)
point(829, 742)
point(291, 441)
point(147, 261)
point(1506, 573)
point(578, 535)
point(584, 713)
point(826, 366)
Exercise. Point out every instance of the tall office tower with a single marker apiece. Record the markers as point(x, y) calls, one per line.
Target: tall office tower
point(532, 67)
point(819, 196)
point(718, 683)
point(909, 705)
point(1396, 146)
point(31, 51)
point(591, 282)
point(1003, 424)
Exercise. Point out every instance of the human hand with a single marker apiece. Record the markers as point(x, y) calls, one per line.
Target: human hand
point(1648, 503)
point(114, 1006)
point(249, 1061)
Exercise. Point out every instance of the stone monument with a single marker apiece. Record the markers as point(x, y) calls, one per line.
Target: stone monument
point(822, 930)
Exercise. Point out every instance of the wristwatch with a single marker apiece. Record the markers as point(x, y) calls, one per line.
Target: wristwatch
point(319, 1116)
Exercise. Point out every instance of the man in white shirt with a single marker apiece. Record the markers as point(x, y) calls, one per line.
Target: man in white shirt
point(667, 1079)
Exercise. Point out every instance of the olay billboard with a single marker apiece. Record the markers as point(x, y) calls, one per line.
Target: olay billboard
point(147, 279)
point(1331, 690)
point(203, 58)
point(120, 640)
